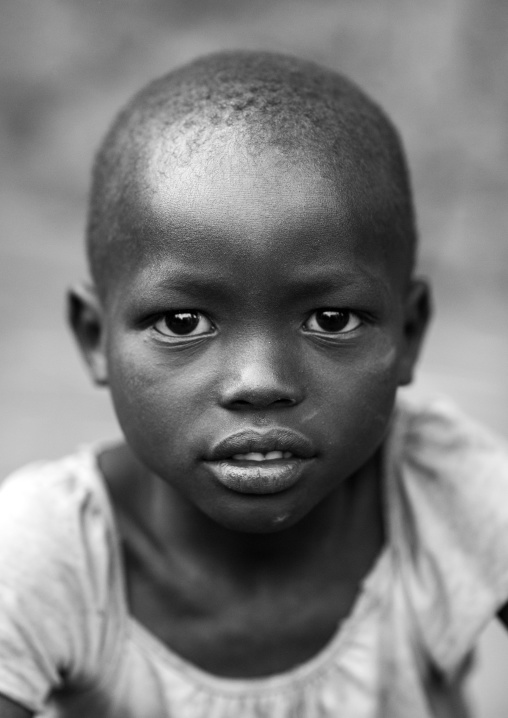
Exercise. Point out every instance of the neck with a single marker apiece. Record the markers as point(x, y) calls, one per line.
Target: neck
point(345, 528)
point(344, 531)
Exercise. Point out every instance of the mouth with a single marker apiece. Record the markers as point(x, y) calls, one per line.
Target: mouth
point(253, 462)
point(259, 456)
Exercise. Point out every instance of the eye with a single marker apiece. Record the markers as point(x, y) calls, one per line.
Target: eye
point(183, 324)
point(332, 321)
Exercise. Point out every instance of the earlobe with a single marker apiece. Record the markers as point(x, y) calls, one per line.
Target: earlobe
point(85, 316)
point(417, 314)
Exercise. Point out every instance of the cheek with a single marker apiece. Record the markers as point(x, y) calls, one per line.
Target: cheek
point(376, 383)
point(357, 396)
point(155, 396)
point(378, 373)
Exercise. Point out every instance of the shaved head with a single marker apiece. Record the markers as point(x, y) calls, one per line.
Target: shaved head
point(296, 108)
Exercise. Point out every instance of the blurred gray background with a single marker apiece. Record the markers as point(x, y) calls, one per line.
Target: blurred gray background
point(440, 68)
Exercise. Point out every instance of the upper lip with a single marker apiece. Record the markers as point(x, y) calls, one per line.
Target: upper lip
point(249, 440)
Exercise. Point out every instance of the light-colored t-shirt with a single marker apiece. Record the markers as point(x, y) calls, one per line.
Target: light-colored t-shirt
point(69, 647)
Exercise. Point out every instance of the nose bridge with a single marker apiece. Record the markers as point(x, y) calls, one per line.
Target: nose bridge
point(260, 371)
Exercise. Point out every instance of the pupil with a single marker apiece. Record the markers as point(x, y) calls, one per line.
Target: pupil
point(332, 321)
point(182, 323)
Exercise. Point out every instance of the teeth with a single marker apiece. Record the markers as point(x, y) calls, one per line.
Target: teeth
point(274, 455)
point(258, 456)
point(251, 456)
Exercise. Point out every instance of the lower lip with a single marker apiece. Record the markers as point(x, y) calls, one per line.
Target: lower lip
point(266, 477)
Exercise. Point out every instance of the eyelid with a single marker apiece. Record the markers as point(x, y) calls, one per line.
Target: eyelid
point(324, 332)
point(169, 335)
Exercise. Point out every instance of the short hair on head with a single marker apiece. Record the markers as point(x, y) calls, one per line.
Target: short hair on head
point(280, 100)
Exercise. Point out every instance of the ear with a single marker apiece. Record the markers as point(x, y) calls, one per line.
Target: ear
point(417, 314)
point(86, 317)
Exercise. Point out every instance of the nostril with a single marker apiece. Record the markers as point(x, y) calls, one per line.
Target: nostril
point(261, 402)
point(258, 388)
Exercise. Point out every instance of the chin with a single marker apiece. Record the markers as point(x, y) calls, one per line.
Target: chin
point(261, 515)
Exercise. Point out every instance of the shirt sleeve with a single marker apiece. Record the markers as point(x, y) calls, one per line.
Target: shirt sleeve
point(53, 589)
point(450, 520)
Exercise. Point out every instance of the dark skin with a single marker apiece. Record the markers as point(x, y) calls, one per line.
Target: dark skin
point(257, 583)
point(232, 565)
point(245, 584)
point(256, 613)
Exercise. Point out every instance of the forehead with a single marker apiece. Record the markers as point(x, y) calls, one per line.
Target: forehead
point(230, 178)
point(229, 204)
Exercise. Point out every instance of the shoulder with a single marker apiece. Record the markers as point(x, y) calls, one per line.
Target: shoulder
point(437, 420)
point(57, 484)
point(51, 499)
point(448, 509)
point(453, 472)
point(437, 439)
point(55, 525)
point(60, 576)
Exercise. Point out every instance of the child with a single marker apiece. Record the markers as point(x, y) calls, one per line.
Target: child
point(276, 537)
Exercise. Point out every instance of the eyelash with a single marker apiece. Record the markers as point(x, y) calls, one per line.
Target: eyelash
point(188, 317)
point(327, 316)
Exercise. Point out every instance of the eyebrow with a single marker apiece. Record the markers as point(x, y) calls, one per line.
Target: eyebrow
point(303, 285)
point(316, 283)
point(189, 282)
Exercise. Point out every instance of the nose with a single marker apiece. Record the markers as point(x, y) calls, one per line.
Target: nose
point(261, 374)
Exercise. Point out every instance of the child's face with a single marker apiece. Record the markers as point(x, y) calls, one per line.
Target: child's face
point(254, 317)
